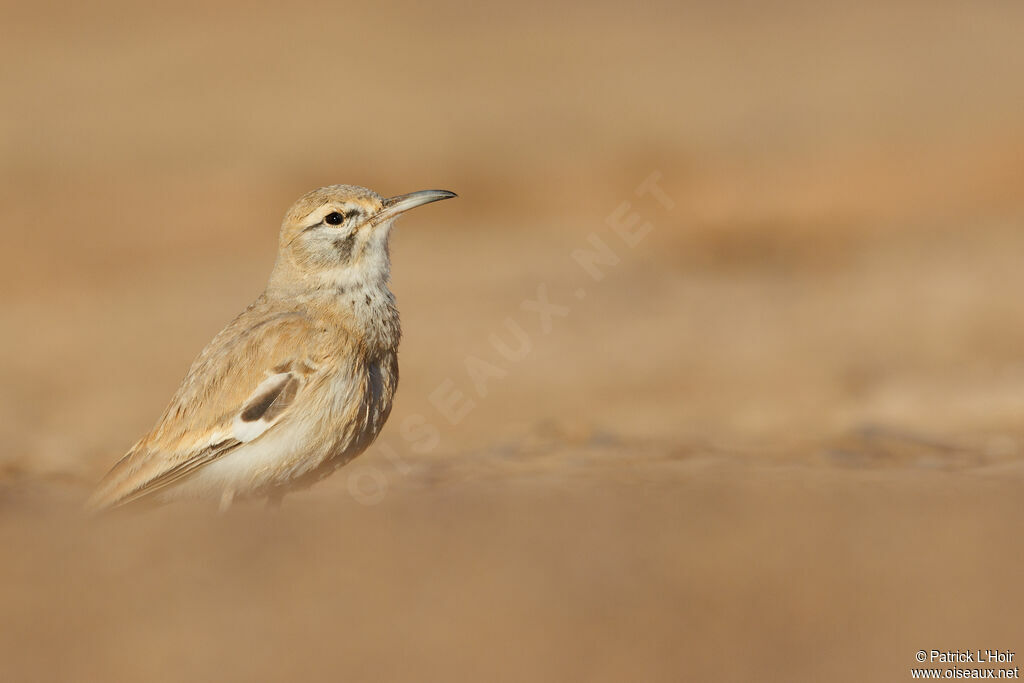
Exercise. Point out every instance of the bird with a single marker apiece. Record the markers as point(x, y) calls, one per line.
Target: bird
point(299, 383)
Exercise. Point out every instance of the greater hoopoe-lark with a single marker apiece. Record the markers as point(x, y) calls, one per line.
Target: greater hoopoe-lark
point(298, 384)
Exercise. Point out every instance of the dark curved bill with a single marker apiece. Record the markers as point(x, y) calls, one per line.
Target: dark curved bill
point(403, 202)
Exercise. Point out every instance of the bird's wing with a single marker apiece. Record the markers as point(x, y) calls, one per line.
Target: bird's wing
point(243, 384)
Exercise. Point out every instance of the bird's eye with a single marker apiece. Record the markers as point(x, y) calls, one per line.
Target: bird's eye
point(334, 218)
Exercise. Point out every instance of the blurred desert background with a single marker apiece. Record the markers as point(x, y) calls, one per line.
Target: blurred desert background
point(782, 438)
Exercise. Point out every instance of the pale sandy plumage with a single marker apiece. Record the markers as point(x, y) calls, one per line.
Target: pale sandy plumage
point(298, 384)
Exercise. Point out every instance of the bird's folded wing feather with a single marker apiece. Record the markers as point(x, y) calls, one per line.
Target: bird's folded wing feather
point(242, 385)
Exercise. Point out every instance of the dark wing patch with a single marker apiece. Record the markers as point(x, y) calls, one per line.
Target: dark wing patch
point(273, 401)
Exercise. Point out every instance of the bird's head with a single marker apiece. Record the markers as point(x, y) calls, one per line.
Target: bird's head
point(338, 235)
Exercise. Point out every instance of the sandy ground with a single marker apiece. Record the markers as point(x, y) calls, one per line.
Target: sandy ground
point(781, 437)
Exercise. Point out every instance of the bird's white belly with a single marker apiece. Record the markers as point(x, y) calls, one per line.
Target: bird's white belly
point(270, 461)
